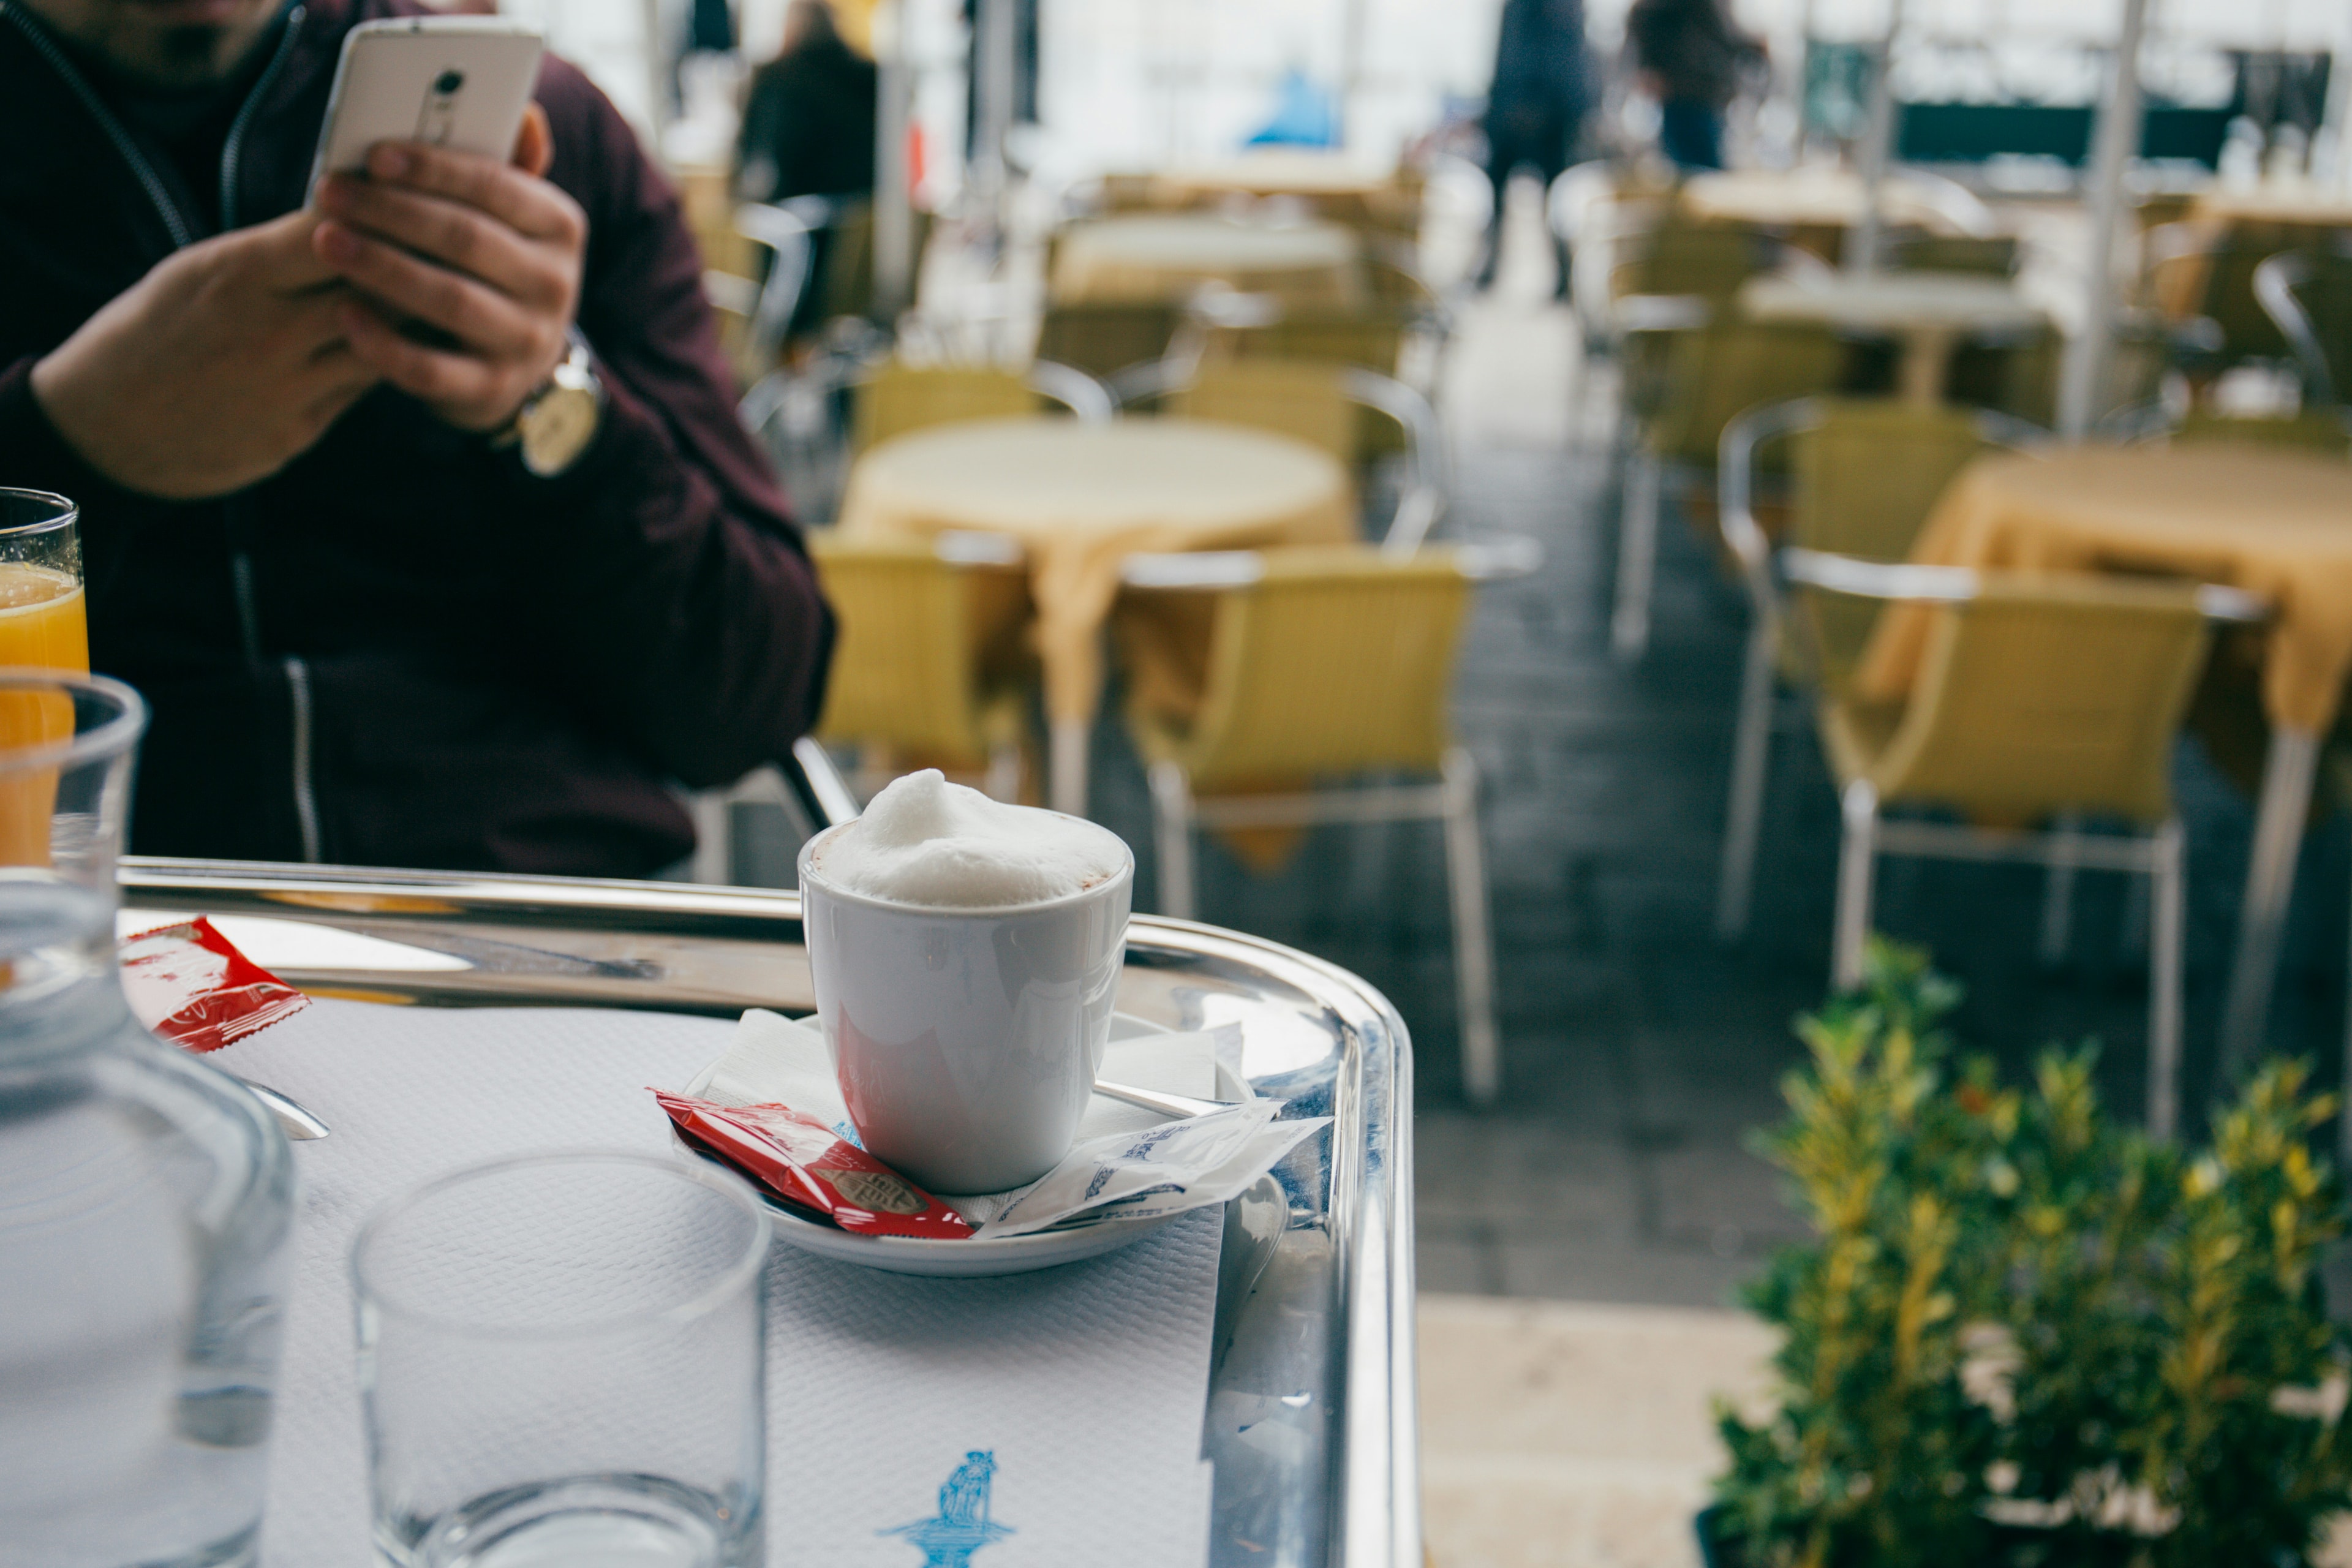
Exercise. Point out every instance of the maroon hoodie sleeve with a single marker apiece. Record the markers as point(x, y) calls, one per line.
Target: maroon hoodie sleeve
point(31, 450)
point(678, 593)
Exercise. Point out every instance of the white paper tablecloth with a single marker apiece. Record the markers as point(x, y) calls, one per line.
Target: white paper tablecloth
point(1087, 1381)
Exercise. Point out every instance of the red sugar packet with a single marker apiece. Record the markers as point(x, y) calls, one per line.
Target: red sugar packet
point(807, 1163)
point(189, 984)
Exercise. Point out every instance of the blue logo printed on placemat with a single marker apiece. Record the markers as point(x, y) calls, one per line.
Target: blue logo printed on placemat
point(961, 1526)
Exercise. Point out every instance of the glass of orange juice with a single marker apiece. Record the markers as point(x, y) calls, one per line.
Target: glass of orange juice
point(42, 621)
point(43, 626)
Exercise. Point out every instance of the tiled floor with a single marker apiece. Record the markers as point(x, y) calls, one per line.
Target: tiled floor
point(1638, 1053)
point(1557, 1435)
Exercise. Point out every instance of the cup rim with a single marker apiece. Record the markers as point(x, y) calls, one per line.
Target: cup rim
point(716, 1178)
point(68, 512)
point(805, 863)
point(109, 739)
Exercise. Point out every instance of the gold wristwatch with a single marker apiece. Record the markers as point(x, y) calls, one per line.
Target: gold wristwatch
point(556, 422)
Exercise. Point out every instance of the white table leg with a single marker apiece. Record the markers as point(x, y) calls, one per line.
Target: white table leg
point(1067, 771)
point(2270, 879)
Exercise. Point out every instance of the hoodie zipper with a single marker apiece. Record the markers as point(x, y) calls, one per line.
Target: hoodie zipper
point(240, 563)
point(235, 145)
point(183, 232)
point(306, 804)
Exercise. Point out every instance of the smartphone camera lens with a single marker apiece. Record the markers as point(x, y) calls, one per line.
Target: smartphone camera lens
point(447, 82)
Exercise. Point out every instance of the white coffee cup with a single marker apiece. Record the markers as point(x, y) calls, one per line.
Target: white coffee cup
point(966, 1040)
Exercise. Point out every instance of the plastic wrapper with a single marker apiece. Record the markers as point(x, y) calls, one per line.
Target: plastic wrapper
point(190, 985)
point(809, 1165)
point(1163, 1170)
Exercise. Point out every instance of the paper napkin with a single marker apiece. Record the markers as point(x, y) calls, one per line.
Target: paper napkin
point(1086, 1383)
point(776, 1059)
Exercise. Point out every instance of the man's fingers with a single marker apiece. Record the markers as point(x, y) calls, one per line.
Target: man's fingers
point(522, 201)
point(475, 314)
point(344, 378)
point(448, 231)
point(430, 375)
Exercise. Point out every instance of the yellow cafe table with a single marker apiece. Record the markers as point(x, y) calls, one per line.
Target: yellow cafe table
point(1928, 313)
point(1081, 498)
point(1153, 257)
point(2277, 524)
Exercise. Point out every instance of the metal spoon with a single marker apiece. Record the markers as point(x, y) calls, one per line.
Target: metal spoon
point(1152, 1100)
point(293, 1116)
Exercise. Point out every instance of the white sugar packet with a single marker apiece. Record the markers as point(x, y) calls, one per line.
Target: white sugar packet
point(1175, 1166)
point(773, 1060)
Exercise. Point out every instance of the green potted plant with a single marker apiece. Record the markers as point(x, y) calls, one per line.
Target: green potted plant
point(2024, 1335)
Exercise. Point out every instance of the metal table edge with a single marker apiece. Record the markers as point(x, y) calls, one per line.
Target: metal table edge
point(1375, 1513)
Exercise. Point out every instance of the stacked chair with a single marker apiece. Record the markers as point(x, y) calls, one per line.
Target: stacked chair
point(1866, 476)
point(1332, 666)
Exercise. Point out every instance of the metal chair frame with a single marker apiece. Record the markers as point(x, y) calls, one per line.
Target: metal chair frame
point(1427, 471)
point(1752, 730)
point(1644, 473)
point(787, 230)
point(805, 785)
point(2064, 848)
point(1177, 812)
point(2276, 280)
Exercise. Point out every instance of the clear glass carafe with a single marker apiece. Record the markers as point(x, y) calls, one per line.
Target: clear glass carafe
point(145, 1199)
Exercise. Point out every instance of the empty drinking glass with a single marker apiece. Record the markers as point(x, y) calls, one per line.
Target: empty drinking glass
point(562, 1362)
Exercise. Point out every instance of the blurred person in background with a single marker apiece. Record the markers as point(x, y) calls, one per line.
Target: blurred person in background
point(1536, 108)
point(421, 516)
point(808, 126)
point(1690, 56)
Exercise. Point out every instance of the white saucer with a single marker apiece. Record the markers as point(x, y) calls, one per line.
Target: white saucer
point(967, 1259)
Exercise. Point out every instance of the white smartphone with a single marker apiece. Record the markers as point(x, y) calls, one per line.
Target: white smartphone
point(455, 81)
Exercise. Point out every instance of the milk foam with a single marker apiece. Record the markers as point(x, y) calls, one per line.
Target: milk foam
point(926, 841)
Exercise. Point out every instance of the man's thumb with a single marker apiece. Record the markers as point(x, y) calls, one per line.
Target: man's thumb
point(534, 147)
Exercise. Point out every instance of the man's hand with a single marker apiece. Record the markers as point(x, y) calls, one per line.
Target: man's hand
point(213, 371)
point(486, 256)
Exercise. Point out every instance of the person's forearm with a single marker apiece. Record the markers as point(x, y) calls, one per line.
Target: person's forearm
point(32, 454)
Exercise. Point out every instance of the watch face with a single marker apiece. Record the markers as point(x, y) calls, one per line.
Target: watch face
point(557, 428)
